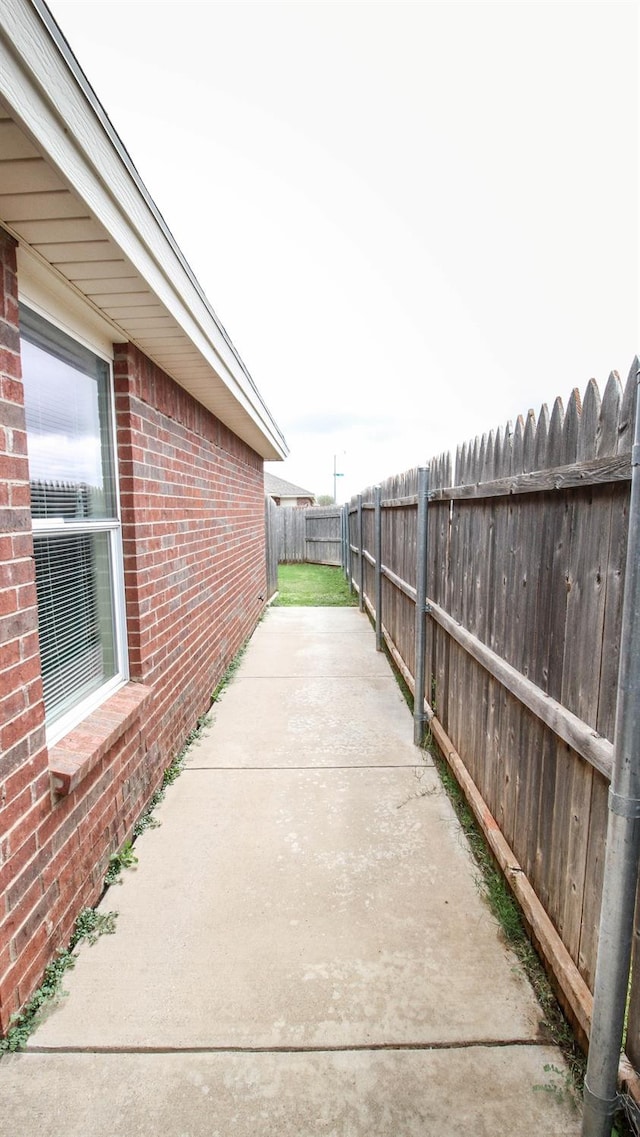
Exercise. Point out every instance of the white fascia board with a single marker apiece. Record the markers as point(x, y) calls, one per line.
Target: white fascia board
point(42, 83)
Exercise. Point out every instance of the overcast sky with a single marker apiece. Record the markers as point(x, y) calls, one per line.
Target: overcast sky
point(415, 220)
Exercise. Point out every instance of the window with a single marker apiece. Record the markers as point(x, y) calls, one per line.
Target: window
point(76, 528)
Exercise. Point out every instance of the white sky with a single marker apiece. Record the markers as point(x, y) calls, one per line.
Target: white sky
point(415, 220)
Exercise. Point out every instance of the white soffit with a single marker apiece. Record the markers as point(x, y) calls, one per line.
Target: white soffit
point(69, 191)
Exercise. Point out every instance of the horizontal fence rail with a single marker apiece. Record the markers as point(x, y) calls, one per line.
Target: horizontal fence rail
point(520, 567)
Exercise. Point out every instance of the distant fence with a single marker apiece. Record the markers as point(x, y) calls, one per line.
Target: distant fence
point(519, 600)
point(313, 534)
point(271, 511)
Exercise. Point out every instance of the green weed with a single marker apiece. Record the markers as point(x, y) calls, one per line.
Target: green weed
point(228, 675)
point(91, 923)
point(125, 858)
point(504, 906)
point(89, 926)
point(561, 1085)
point(173, 771)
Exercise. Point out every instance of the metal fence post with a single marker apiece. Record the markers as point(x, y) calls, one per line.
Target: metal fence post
point(349, 552)
point(378, 559)
point(419, 717)
point(360, 554)
point(623, 846)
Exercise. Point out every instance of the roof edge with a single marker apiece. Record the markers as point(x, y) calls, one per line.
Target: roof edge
point(50, 95)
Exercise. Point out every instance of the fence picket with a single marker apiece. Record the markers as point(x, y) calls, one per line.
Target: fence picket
point(313, 534)
point(555, 443)
point(517, 459)
point(534, 570)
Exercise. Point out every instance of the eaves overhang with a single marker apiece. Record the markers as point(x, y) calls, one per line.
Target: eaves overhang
point(70, 192)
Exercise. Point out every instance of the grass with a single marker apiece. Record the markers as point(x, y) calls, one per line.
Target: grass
point(494, 888)
point(313, 586)
point(565, 1085)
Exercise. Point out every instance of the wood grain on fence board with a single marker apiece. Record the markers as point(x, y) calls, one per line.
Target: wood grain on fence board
point(271, 546)
point(312, 534)
point(527, 540)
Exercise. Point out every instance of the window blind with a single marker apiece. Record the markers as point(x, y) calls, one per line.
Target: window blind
point(74, 510)
point(73, 582)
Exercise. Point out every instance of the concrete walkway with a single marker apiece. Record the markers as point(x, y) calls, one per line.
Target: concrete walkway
point(302, 949)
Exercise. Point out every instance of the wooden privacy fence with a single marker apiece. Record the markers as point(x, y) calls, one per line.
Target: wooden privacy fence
point(313, 534)
point(520, 605)
point(271, 545)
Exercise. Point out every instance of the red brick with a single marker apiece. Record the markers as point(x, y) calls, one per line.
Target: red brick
point(13, 811)
point(30, 939)
point(20, 727)
point(16, 572)
point(22, 545)
point(13, 703)
point(18, 445)
point(25, 675)
point(11, 388)
point(8, 601)
point(21, 893)
point(5, 961)
point(37, 954)
point(192, 511)
point(17, 625)
point(14, 468)
point(10, 365)
point(24, 777)
point(27, 823)
point(20, 495)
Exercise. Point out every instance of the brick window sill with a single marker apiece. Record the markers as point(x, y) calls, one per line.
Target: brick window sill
point(75, 755)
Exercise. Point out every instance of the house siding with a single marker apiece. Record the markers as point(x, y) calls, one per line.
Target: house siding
point(194, 559)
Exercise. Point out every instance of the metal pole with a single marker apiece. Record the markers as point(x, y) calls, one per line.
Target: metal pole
point(623, 847)
point(421, 607)
point(378, 558)
point(336, 475)
point(349, 554)
point(361, 560)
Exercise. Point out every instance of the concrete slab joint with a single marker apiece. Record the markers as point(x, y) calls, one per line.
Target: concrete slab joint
point(302, 949)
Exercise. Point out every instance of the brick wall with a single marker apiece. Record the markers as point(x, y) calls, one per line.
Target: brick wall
point(193, 530)
point(192, 498)
point(24, 779)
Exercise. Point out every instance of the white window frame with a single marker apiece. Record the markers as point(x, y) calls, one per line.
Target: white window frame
point(113, 528)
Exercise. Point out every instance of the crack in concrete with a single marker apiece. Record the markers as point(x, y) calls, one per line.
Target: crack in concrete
point(467, 1044)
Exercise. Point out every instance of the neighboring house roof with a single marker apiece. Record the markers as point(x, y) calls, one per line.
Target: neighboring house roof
point(278, 487)
point(72, 194)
